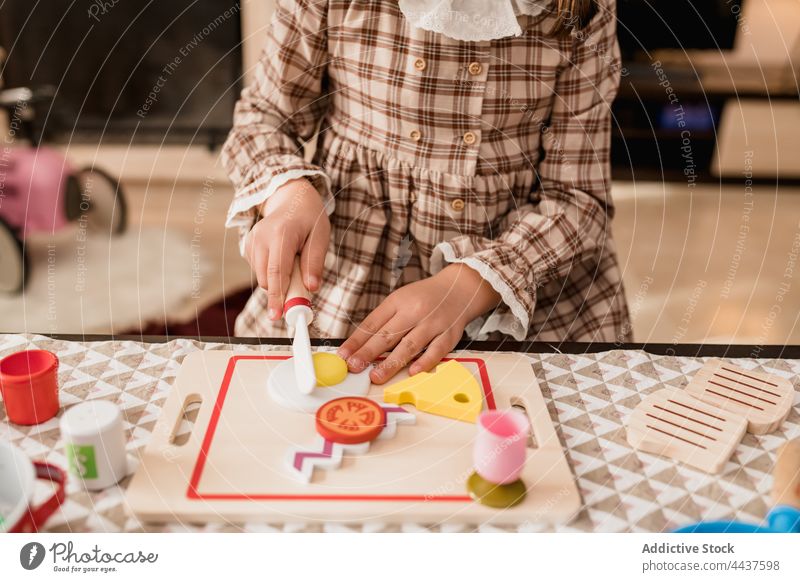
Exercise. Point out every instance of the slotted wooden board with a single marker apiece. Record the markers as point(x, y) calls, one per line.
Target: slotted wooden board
point(671, 422)
point(764, 400)
point(233, 466)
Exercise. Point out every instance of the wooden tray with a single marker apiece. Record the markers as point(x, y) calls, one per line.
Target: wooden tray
point(232, 468)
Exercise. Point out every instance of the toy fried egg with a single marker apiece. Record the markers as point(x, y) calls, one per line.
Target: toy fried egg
point(333, 381)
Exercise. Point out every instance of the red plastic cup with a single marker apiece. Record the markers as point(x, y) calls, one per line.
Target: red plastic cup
point(23, 509)
point(29, 385)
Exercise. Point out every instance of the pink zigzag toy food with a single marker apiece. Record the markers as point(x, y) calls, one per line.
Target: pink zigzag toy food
point(327, 454)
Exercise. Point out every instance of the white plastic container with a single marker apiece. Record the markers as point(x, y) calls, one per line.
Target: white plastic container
point(94, 443)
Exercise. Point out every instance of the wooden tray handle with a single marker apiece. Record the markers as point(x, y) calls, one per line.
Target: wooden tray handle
point(164, 437)
point(786, 481)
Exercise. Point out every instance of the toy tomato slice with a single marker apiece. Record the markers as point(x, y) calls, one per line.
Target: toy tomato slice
point(350, 420)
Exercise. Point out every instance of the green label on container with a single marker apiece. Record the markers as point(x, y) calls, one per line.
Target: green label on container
point(81, 461)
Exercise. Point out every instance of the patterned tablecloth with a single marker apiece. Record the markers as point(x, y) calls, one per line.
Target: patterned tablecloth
point(589, 397)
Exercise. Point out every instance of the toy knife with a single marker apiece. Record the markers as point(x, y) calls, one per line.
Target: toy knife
point(298, 315)
point(785, 516)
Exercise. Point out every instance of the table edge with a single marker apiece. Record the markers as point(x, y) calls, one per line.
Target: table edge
point(670, 349)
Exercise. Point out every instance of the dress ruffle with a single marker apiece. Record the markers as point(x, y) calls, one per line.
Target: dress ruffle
point(471, 20)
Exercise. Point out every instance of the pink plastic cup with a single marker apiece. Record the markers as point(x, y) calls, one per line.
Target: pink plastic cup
point(500, 447)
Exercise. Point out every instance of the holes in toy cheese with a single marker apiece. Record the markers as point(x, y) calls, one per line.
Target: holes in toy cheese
point(451, 391)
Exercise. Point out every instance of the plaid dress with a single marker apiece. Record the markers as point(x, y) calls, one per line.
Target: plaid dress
point(433, 151)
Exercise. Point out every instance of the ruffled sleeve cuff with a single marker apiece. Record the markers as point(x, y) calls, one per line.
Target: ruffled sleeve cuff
point(507, 273)
point(243, 211)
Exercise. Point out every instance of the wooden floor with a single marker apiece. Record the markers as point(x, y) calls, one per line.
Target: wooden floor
point(710, 264)
point(196, 212)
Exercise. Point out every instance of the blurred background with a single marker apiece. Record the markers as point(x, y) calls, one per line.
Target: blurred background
point(112, 198)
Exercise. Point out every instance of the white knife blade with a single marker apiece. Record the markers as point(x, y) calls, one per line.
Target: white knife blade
point(301, 351)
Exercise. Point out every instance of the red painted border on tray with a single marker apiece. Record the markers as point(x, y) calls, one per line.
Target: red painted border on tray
point(193, 493)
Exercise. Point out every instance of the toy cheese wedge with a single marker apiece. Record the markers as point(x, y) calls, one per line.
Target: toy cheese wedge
point(451, 391)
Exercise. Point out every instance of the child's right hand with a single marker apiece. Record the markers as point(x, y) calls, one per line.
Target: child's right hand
point(294, 222)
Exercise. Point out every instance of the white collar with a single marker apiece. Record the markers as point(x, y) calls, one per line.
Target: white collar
point(471, 20)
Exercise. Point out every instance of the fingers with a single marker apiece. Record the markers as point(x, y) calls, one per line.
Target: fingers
point(312, 259)
point(438, 348)
point(249, 249)
point(257, 257)
point(382, 341)
point(408, 348)
point(279, 271)
point(363, 333)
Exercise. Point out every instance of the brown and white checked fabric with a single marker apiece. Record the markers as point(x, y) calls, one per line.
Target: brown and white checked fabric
point(432, 151)
point(589, 397)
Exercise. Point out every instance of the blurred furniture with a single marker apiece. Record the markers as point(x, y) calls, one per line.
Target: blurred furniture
point(734, 86)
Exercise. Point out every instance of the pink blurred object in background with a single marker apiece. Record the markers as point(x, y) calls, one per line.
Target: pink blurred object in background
point(34, 192)
point(41, 193)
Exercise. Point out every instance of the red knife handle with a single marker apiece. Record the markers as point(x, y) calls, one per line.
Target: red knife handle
point(297, 296)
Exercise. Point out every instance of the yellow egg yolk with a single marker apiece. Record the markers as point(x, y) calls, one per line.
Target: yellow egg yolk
point(330, 369)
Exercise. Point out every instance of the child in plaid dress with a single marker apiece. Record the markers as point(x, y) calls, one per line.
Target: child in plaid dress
point(460, 182)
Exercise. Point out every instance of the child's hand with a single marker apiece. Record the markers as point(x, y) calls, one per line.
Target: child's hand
point(432, 312)
point(294, 221)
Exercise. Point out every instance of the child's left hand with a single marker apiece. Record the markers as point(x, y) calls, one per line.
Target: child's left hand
point(432, 312)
